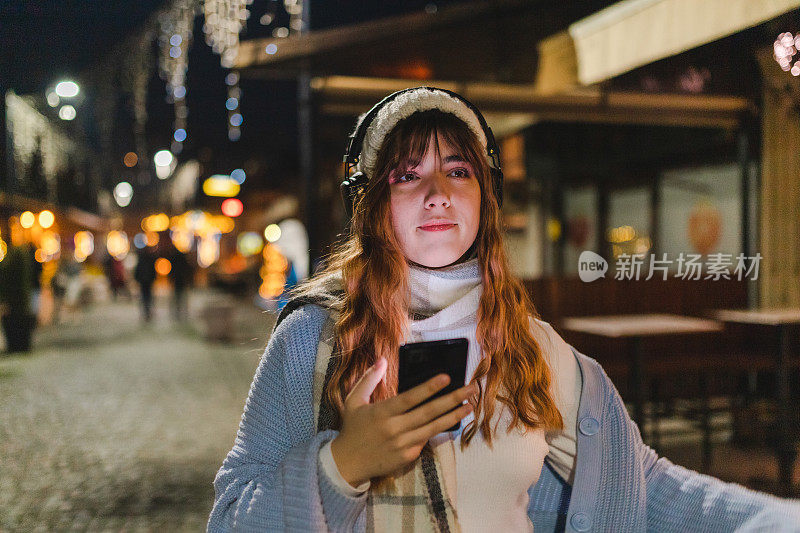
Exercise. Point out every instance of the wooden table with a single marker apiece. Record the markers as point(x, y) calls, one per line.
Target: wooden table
point(779, 319)
point(634, 328)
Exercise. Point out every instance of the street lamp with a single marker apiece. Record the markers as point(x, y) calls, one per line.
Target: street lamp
point(67, 89)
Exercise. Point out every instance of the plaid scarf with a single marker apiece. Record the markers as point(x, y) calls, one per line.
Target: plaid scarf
point(421, 499)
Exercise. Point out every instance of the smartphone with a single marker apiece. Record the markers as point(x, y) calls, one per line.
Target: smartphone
point(420, 361)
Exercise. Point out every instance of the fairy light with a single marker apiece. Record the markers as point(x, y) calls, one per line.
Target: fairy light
point(295, 10)
point(175, 38)
point(232, 104)
point(784, 50)
point(224, 21)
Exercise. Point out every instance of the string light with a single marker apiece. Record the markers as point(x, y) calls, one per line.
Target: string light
point(225, 19)
point(785, 48)
point(175, 38)
point(295, 10)
point(137, 68)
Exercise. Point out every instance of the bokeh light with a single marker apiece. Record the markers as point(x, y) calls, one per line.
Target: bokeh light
point(222, 224)
point(272, 233)
point(151, 238)
point(46, 218)
point(208, 251)
point(182, 239)
point(123, 193)
point(232, 207)
point(50, 244)
point(27, 219)
point(238, 175)
point(84, 245)
point(163, 158)
point(130, 159)
point(67, 89)
point(67, 112)
point(221, 186)
point(117, 244)
point(156, 223)
point(249, 243)
point(140, 240)
point(163, 266)
point(273, 272)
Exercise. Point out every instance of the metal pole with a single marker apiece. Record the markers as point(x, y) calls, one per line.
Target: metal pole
point(6, 164)
point(749, 206)
point(4, 170)
point(306, 152)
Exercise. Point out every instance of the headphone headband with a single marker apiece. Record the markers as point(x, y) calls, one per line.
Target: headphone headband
point(354, 183)
point(356, 139)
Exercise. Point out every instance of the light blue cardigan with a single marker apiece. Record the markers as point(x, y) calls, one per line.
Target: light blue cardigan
point(271, 479)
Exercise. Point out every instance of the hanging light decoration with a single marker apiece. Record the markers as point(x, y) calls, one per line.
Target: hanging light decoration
point(174, 39)
point(136, 72)
point(235, 118)
point(224, 20)
point(295, 10)
point(784, 50)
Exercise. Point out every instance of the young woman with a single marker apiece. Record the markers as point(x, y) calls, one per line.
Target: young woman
point(327, 443)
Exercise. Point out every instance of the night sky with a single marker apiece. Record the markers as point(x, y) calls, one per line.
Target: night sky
point(44, 41)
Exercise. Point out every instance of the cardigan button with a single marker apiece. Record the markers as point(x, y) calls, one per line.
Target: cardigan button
point(581, 522)
point(589, 426)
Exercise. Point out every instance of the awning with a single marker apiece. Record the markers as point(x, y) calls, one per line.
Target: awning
point(510, 107)
point(633, 33)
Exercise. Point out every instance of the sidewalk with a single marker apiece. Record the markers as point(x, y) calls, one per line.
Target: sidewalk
point(109, 425)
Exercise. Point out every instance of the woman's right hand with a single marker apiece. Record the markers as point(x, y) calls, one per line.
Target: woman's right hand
point(379, 438)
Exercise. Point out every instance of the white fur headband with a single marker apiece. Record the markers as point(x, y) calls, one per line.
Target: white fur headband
point(405, 104)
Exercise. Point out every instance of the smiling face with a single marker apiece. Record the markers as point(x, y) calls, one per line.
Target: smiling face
point(435, 205)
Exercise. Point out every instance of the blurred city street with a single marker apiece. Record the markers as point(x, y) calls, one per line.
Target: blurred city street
point(112, 425)
point(174, 172)
point(108, 425)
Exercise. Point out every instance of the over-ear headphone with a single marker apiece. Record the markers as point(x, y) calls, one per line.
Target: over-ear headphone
point(354, 183)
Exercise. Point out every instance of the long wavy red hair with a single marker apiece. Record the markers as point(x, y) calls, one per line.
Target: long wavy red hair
point(374, 309)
